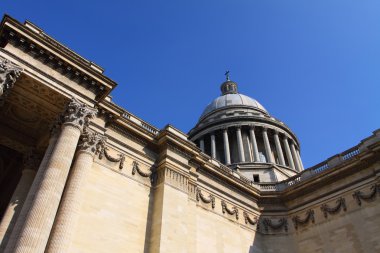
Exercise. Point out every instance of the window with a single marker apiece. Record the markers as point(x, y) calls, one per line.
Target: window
point(256, 178)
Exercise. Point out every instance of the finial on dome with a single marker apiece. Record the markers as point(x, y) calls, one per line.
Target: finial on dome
point(227, 74)
point(228, 87)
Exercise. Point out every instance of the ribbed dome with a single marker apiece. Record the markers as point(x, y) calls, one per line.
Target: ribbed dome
point(232, 100)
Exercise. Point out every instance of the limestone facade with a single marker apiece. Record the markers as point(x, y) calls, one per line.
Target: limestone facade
point(104, 180)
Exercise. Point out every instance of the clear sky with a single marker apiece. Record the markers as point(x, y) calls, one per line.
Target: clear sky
point(313, 64)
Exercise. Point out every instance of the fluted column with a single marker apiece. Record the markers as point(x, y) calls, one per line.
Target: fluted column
point(288, 153)
point(202, 144)
point(226, 143)
point(299, 159)
point(29, 167)
point(69, 209)
point(279, 149)
point(255, 149)
point(8, 76)
point(294, 155)
point(240, 144)
point(32, 236)
point(268, 150)
point(213, 146)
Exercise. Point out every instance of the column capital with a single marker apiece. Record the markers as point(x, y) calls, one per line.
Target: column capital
point(78, 114)
point(252, 127)
point(9, 73)
point(91, 142)
point(238, 127)
point(225, 129)
point(265, 128)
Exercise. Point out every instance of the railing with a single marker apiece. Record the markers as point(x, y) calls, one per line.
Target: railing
point(144, 125)
point(350, 153)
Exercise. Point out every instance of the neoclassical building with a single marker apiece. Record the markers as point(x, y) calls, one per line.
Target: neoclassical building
point(78, 173)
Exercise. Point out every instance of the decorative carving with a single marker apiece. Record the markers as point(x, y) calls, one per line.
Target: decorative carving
point(249, 219)
point(91, 141)
point(340, 204)
point(8, 76)
point(359, 196)
point(210, 199)
point(233, 211)
point(78, 114)
point(276, 225)
point(137, 168)
point(102, 150)
point(298, 221)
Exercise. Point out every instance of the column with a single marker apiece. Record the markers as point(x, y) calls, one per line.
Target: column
point(299, 159)
point(69, 209)
point(213, 146)
point(268, 150)
point(254, 144)
point(240, 144)
point(30, 165)
point(32, 236)
point(8, 76)
point(294, 155)
point(227, 155)
point(288, 153)
point(279, 149)
point(202, 145)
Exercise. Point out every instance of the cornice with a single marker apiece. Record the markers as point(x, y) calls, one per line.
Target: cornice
point(35, 42)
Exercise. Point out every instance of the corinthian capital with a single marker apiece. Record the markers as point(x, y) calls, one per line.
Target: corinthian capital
point(91, 141)
point(78, 114)
point(8, 76)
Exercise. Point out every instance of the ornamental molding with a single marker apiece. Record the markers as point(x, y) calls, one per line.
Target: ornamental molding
point(369, 196)
point(340, 205)
point(78, 114)
point(231, 211)
point(9, 73)
point(136, 168)
point(124, 132)
point(90, 142)
point(297, 221)
point(207, 200)
point(249, 220)
point(281, 223)
point(102, 151)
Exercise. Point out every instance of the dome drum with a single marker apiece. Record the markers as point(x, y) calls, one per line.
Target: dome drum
point(239, 132)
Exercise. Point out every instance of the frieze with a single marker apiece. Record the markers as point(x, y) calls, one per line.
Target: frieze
point(275, 225)
point(370, 196)
point(207, 200)
point(231, 211)
point(249, 220)
point(297, 221)
point(179, 152)
point(340, 205)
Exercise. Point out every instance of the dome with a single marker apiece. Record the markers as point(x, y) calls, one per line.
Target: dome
point(232, 100)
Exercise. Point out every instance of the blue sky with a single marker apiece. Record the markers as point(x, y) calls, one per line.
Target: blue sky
point(312, 64)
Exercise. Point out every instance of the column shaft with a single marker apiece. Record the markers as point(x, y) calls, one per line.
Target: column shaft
point(279, 149)
point(202, 145)
point(254, 145)
point(14, 207)
point(213, 146)
point(294, 155)
point(227, 155)
point(240, 145)
point(299, 159)
point(288, 153)
point(268, 150)
point(13, 237)
point(33, 235)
